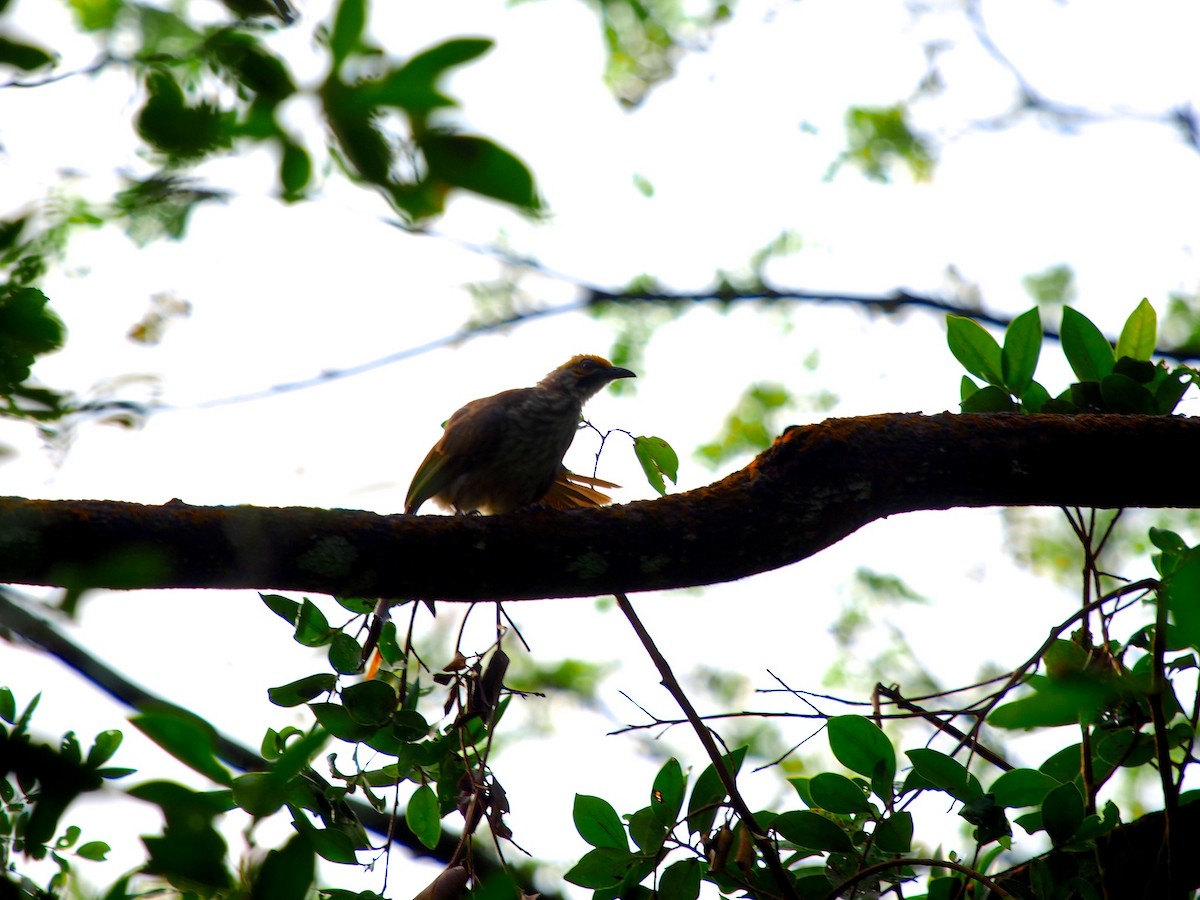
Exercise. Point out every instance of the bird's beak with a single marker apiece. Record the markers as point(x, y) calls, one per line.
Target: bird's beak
point(617, 372)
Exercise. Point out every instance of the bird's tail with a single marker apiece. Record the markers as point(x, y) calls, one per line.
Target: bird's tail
point(572, 491)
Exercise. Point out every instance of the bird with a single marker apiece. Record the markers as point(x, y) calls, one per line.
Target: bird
point(505, 452)
point(500, 453)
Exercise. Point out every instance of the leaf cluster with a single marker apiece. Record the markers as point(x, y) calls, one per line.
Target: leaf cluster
point(1119, 379)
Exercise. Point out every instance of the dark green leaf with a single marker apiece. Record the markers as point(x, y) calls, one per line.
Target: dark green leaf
point(1182, 596)
point(1035, 398)
point(1087, 350)
point(359, 605)
point(598, 824)
point(424, 816)
point(989, 400)
point(8, 705)
point(28, 329)
point(1022, 345)
point(812, 831)
point(103, 748)
point(603, 867)
point(287, 873)
point(1062, 812)
point(348, 23)
point(23, 56)
point(1121, 394)
point(258, 793)
point(680, 880)
point(1171, 389)
point(302, 690)
point(312, 628)
point(477, 164)
point(666, 796)
point(286, 609)
point(1063, 701)
point(1022, 787)
point(894, 834)
point(975, 349)
point(837, 794)
point(946, 774)
point(345, 654)
point(185, 736)
point(709, 793)
point(647, 832)
point(861, 747)
point(370, 702)
point(334, 719)
point(1140, 333)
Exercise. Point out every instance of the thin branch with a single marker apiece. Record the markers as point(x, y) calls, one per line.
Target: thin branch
point(671, 683)
point(877, 868)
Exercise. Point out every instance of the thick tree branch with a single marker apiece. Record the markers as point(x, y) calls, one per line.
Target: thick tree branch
point(814, 486)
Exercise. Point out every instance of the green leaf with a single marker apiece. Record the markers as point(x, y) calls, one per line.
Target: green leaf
point(1087, 350)
point(709, 793)
point(23, 56)
point(295, 170)
point(666, 796)
point(647, 832)
point(8, 705)
point(1035, 398)
point(1182, 596)
point(681, 880)
point(287, 873)
point(187, 737)
point(348, 23)
point(302, 690)
point(28, 329)
point(370, 702)
point(945, 774)
point(103, 748)
point(479, 165)
point(285, 608)
point(345, 654)
point(1022, 345)
point(1140, 333)
point(837, 794)
point(1169, 391)
point(259, 793)
point(657, 459)
point(894, 834)
point(601, 868)
point(93, 850)
point(424, 816)
point(334, 719)
point(990, 399)
point(312, 628)
point(1022, 787)
point(1063, 701)
point(413, 87)
point(1062, 813)
point(812, 831)
point(975, 349)
point(598, 823)
point(1122, 394)
point(861, 747)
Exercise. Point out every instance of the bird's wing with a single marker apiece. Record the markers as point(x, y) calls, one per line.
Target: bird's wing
point(470, 436)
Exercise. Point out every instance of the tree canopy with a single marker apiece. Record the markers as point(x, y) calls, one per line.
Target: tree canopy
point(279, 243)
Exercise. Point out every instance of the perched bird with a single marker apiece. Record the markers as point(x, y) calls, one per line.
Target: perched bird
point(503, 452)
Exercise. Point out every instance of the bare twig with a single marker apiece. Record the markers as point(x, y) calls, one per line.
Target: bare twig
point(671, 683)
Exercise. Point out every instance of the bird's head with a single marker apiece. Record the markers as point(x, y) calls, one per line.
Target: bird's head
point(583, 376)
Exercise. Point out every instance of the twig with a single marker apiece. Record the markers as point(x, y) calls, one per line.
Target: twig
point(757, 834)
point(875, 869)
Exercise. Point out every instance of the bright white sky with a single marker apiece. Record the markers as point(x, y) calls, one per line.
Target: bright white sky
point(736, 147)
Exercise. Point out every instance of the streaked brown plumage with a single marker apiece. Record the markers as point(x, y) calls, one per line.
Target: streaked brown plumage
point(503, 452)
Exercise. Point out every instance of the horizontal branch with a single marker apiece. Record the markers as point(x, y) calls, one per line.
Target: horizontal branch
point(814, 486)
